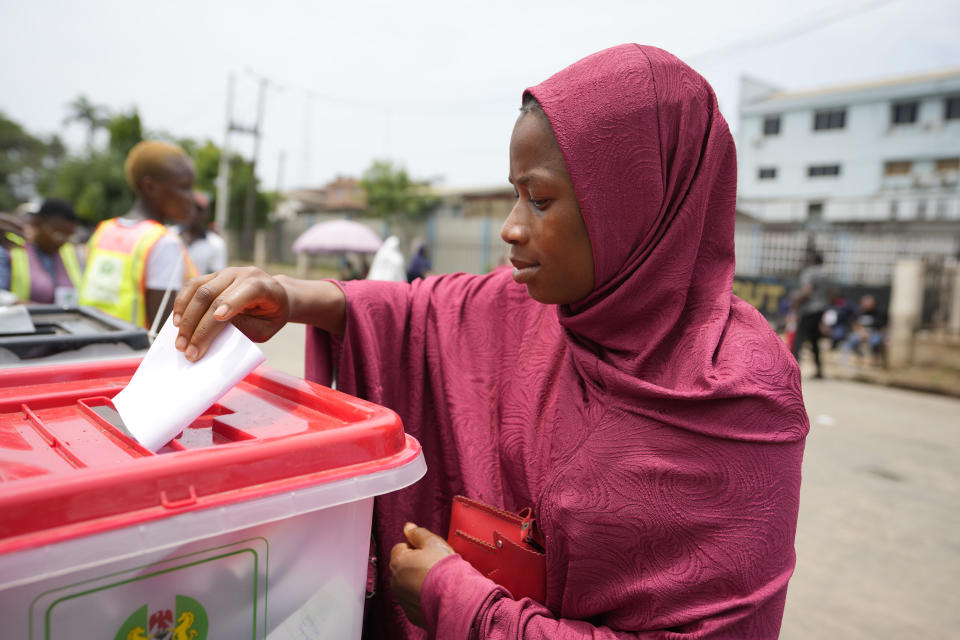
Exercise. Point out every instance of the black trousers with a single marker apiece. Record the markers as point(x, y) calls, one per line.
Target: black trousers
point(808, 330)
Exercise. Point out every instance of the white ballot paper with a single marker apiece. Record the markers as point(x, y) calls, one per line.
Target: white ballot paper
point(168, 392)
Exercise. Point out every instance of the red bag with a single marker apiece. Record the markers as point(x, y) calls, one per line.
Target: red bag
point(505, 547)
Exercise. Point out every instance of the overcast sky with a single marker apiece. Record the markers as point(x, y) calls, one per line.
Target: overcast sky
point(431, 84)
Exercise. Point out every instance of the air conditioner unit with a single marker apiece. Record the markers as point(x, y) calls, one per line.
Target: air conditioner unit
point(949, 178)
point(758, 140)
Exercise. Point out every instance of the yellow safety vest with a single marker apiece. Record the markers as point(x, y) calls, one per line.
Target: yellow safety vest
point(20, 269)
point(114, 280)
point(14, 238)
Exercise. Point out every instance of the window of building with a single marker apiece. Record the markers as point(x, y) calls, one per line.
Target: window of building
point(821, 170)
point(947, 164)
point(951, 108)
point(897, 168)
point(771, 126)
point(767, 173)
point(829, 119)
point(904, 112)
point(814, 211)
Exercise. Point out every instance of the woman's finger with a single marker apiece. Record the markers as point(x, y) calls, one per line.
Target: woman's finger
point(395, 555)
point(256, 303)
point(193, 303)
point(185, 294)
point(421, 538)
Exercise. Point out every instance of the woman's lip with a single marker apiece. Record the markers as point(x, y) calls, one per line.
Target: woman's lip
point(524, 271)
point(521, 264)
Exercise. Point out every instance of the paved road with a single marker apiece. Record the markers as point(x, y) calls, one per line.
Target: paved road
point(878, 542)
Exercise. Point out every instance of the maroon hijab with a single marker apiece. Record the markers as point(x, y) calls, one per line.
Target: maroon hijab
point(656, 427)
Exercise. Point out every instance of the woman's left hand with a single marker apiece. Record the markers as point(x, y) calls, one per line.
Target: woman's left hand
point(409, 563)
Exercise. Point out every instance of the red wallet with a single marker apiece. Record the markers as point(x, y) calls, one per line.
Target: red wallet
point(505, 547)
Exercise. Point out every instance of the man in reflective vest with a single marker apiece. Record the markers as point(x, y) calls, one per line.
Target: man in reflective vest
point(46, 268)
point(134, 260)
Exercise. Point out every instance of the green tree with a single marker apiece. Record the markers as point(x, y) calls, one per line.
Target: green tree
point(95, 184)
point(206, 162)
point(391, 192)
point(24, 161)
point(85, 112)
point(125, 132)
point(94, 180)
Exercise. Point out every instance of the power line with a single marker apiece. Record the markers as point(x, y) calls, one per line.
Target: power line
point(811, 24)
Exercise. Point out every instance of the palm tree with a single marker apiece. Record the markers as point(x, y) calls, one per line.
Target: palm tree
point(84, 111)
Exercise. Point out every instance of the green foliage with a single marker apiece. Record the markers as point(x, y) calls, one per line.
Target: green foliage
point(206, 161)
point(85, 112)
point(94, 180)
point(125, 132)
point(239, 179)
point(24, 159)
point(95, 184)
point(391, 192)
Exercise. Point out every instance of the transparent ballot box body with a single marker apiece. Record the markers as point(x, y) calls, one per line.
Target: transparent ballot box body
point(255, 522)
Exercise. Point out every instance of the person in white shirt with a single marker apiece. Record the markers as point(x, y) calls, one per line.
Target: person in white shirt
point(207, 250)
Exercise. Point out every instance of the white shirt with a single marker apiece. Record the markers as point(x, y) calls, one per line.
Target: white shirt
point(209, 253)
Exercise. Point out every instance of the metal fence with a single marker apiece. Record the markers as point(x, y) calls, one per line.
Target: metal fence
point(850, 258)
point(767, 261)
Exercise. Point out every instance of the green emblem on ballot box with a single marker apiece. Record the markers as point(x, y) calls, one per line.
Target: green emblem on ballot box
point(187, 622)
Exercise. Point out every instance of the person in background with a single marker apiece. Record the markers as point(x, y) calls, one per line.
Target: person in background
point(610, 381)
point(869, 324)
point(207, 249)
point(12, 231)
point(46, 268)
point(134, 260)
point(420, 265)
point(838, 319)
point(387, 262)
point(811, 301)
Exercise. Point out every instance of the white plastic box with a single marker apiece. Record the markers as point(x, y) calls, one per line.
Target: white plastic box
point(254, 524)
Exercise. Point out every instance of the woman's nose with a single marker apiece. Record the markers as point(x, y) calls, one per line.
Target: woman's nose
point(512, 231)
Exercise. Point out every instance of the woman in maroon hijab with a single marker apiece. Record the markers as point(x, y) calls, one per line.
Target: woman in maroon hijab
point(610, 381)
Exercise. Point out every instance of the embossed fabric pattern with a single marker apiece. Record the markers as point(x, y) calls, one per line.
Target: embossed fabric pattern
point(656, 427)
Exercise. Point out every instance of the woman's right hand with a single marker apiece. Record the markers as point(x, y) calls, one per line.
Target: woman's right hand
point(256, 303)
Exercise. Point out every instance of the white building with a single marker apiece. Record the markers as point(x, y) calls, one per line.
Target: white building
point(881, 151)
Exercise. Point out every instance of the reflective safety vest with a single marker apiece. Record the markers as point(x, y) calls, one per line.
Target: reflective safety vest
point(115, 278)
point(14, 238)
point(24, 263)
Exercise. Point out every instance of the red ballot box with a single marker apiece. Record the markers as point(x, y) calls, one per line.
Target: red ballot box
point(269, 491)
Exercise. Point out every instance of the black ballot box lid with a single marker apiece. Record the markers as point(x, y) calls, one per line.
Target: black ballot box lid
point(62, 333)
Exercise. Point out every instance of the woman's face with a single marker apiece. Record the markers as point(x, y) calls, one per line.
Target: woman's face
point(549, 246)
point(51, 233)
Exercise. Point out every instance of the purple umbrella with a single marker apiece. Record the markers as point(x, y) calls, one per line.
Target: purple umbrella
point(337, 236)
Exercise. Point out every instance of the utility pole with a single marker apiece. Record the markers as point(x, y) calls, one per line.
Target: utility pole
point(223, 174)
point(305, 140)
point(248, 221)
point(278, 222)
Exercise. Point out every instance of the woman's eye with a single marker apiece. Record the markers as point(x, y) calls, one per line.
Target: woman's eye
point(539, 205)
